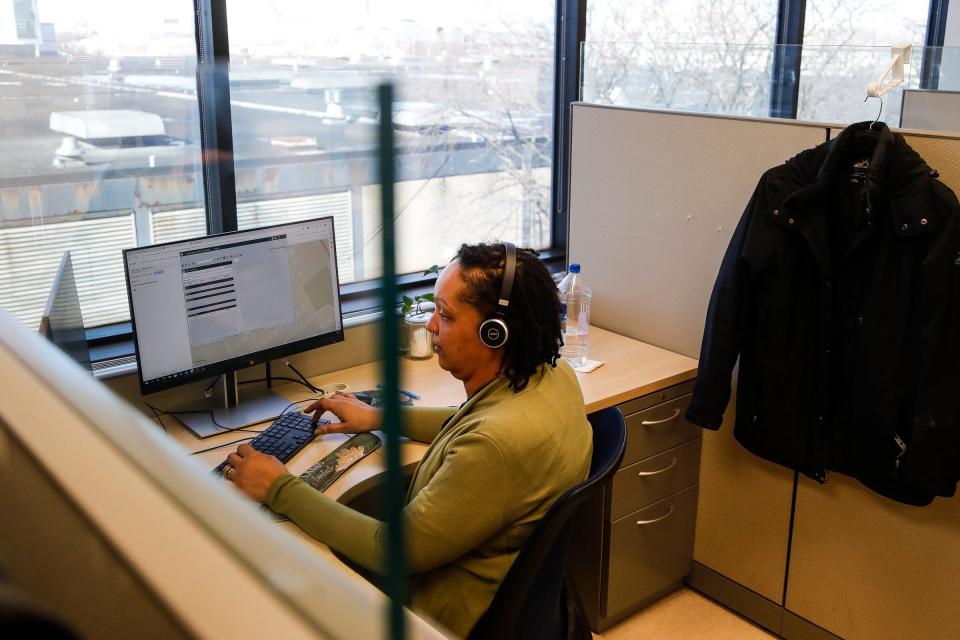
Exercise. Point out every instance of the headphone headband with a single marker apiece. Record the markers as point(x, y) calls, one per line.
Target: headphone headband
point(494, 331)
point(509, 270)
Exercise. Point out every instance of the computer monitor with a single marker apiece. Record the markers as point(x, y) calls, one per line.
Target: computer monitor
point(211, 305)
point(62, 319)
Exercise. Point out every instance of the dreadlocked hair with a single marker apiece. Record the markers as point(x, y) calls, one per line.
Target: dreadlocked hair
point(533, 315)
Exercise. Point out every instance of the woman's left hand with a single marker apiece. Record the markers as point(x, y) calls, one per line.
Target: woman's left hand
point(252, 472)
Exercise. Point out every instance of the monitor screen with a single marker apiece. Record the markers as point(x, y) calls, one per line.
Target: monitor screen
point(213, 304)
point(62, 320)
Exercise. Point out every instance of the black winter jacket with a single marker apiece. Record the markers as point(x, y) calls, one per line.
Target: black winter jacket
point(840, 293)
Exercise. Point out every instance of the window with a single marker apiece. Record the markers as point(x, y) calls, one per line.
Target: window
point(101, 125)
point(846, 45)
point(99, 131)
point(723, 56)
point(473, 121)
point(692, 55)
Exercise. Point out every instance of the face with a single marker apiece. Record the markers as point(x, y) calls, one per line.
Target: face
point(455, 326)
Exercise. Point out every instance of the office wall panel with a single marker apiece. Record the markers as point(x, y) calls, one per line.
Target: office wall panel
point(863, 566)
point(654, 199)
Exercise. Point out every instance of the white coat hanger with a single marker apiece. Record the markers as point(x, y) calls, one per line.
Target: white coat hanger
point(901, 56)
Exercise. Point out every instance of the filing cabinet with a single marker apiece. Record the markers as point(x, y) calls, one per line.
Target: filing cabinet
point(633, 543)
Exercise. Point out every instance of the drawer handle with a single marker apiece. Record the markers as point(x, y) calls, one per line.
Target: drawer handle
point(673, 463)
point(663, 517)
point(673, 416)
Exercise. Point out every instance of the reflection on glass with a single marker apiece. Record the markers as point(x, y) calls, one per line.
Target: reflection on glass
point(640, 53)
point(473, 121)
point(98, 129)
point(832, 88)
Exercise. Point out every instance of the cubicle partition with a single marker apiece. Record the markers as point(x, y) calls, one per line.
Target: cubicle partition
point(122, 534)
point(654, 199)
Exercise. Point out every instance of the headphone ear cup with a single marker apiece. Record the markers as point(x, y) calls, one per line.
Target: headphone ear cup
point(494, 332)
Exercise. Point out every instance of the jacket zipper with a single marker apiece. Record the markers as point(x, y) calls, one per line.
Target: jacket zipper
point(867, 209)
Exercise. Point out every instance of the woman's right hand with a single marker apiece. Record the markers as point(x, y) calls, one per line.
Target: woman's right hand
point(355, 416)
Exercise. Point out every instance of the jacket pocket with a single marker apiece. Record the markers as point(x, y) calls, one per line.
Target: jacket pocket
point(930, 461)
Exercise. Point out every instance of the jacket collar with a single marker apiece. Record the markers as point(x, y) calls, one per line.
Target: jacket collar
point(897, 177)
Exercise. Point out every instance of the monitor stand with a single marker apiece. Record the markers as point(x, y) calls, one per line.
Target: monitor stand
point(225, 411)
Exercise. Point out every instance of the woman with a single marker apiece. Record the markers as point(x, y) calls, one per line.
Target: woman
point(495, 464)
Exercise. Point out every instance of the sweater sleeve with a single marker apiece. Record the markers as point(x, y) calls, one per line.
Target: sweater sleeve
point(423, 423)
point(723, 333)
point(462, 505)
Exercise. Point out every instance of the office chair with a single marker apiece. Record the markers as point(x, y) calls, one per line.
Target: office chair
point(21, 616)
point(535, 600)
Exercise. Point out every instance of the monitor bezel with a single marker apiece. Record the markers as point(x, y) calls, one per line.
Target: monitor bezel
point(239, 362)
point(45, 328)
point(71, 338)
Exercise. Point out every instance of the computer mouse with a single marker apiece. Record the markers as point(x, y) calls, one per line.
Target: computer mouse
point(363, 396)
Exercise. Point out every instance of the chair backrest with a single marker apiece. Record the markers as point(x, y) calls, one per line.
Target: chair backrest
point(531, 601)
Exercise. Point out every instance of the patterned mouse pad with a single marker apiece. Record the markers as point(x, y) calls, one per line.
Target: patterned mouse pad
point(322, 474)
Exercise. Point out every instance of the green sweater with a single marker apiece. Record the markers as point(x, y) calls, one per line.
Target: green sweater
point(485, 481)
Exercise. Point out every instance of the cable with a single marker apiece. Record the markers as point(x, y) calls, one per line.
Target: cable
point(300, 382)
point(208, 390)
point(225, 444)
point(302, 377)
point(156, 414)
point(160, 412)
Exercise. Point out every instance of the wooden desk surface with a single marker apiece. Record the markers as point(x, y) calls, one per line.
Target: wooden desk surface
point(631, 369)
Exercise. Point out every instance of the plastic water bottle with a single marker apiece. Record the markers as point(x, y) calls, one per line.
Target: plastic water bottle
point(575, 317)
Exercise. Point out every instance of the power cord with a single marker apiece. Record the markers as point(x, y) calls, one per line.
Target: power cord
point(156, 414)
point(302, 377)
point(300, 382)
point(225, 444)
point(209, 390)
point(160, 412)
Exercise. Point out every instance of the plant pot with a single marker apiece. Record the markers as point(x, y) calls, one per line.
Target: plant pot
point(419, 341)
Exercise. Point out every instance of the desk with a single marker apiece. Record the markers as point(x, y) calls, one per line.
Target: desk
point(631, 369)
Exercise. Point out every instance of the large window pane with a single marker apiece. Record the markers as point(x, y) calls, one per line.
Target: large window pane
point(98, 130)
point(473, 120)
point(693, 55)
point(846, 45)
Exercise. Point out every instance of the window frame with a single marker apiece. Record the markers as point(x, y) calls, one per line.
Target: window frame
point(361, 298)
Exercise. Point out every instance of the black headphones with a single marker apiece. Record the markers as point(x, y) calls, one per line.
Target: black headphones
point(494, 331)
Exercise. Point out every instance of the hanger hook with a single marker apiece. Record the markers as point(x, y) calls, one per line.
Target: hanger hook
point(879, 113)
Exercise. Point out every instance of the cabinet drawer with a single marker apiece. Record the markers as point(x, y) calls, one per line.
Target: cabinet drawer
point(650, 550)
point(658, 397)
point(657, 429)
point(655, 478)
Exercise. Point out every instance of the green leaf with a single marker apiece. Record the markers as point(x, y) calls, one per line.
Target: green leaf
point(425, 297)
point(434, 270)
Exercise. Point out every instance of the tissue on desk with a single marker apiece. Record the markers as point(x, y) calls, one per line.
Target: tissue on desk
point(588, 366)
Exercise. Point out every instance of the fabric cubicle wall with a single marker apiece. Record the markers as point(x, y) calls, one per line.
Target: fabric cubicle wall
point(654, 199)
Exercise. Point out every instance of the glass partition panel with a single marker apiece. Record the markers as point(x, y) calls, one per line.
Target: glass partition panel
point(739, 79)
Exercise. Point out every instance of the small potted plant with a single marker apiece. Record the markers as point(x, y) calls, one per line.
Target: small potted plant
point(415, 312)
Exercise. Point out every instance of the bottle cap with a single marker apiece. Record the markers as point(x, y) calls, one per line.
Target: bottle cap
point(574, 267)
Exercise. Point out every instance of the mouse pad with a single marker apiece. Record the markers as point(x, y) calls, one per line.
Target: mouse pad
point(322, 474)
point(374, 398)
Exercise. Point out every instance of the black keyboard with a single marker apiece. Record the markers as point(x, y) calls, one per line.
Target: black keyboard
point(284, 438)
